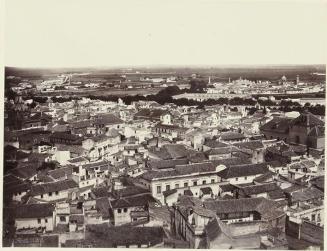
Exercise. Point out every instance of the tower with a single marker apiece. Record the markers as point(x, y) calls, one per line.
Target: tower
point(297, 79)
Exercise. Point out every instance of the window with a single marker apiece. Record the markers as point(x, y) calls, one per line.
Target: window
point(50, 194)
point(236, 179)
point(119, 210)
point(39, 221)
point(193, 221)
point(125, 210)
point(212, 180)
point(57, 192)
point(176, 185)
point(245, 177)
point(313, 217)
point(185, 184)
point(62, 219)
point(158, 189)
point(41, 196)
point(46, 220)
point(195, 183)
point(204, 182)
point(167, 187)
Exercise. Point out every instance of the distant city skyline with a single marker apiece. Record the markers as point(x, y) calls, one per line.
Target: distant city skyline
point(163, 33)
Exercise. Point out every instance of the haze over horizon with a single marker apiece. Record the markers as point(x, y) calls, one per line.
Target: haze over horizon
point(127, 33)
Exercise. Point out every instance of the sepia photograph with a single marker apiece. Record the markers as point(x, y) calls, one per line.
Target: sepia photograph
point(186, 124)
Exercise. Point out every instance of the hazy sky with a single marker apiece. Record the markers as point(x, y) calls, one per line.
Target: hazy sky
point(66, 33)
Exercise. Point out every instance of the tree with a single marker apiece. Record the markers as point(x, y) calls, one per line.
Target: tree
point(264, 110)
point(197, 85)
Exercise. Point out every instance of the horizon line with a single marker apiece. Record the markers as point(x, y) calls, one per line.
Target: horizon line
point(170, 66)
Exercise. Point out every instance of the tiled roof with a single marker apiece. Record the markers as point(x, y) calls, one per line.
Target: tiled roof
point(103, 206)
point(264, 177)
point(52, 187)
point(107, 119)
point(99, 164)
point(318, 182)
point(181, 170)
point(227, 188)
point(197, 157)
point(60, 172)
point(135, 201)
point(231, 136)
point(80, 124)
point(276, 194)
point(219, 234)
point(171, 127)
point(307, 118)
point(221, 150)
point(162, 164)
point(306, 194)
point(231, 161)
point(66, 136)
point(99, 138)
point(100, 192)
point(150, 113)
point(22, 186)
point(214, 143)
point(277, 124)
point(243, 170)
point(195, 168)
point(25, 172)
point(260, 188)
point(169, 192)
point(78, 159)
point(252, 145)
point(129, 191)
point(76, 218)
point(203, 212)
point(266, 208)
point(188, 201)
point(170, 151)
point(176, 150)
point(34, 211)
point(76, 149)
point(104, 236)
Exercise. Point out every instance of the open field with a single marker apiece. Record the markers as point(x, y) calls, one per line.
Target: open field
point(103, 92)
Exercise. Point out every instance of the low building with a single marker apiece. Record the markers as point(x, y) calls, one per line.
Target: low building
point(267, 190)
point(35, 216)
point(242, 174)
point(260, 213)
point(54, 191)
point(133, 209)
point(307, 129)
point(184, 177)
